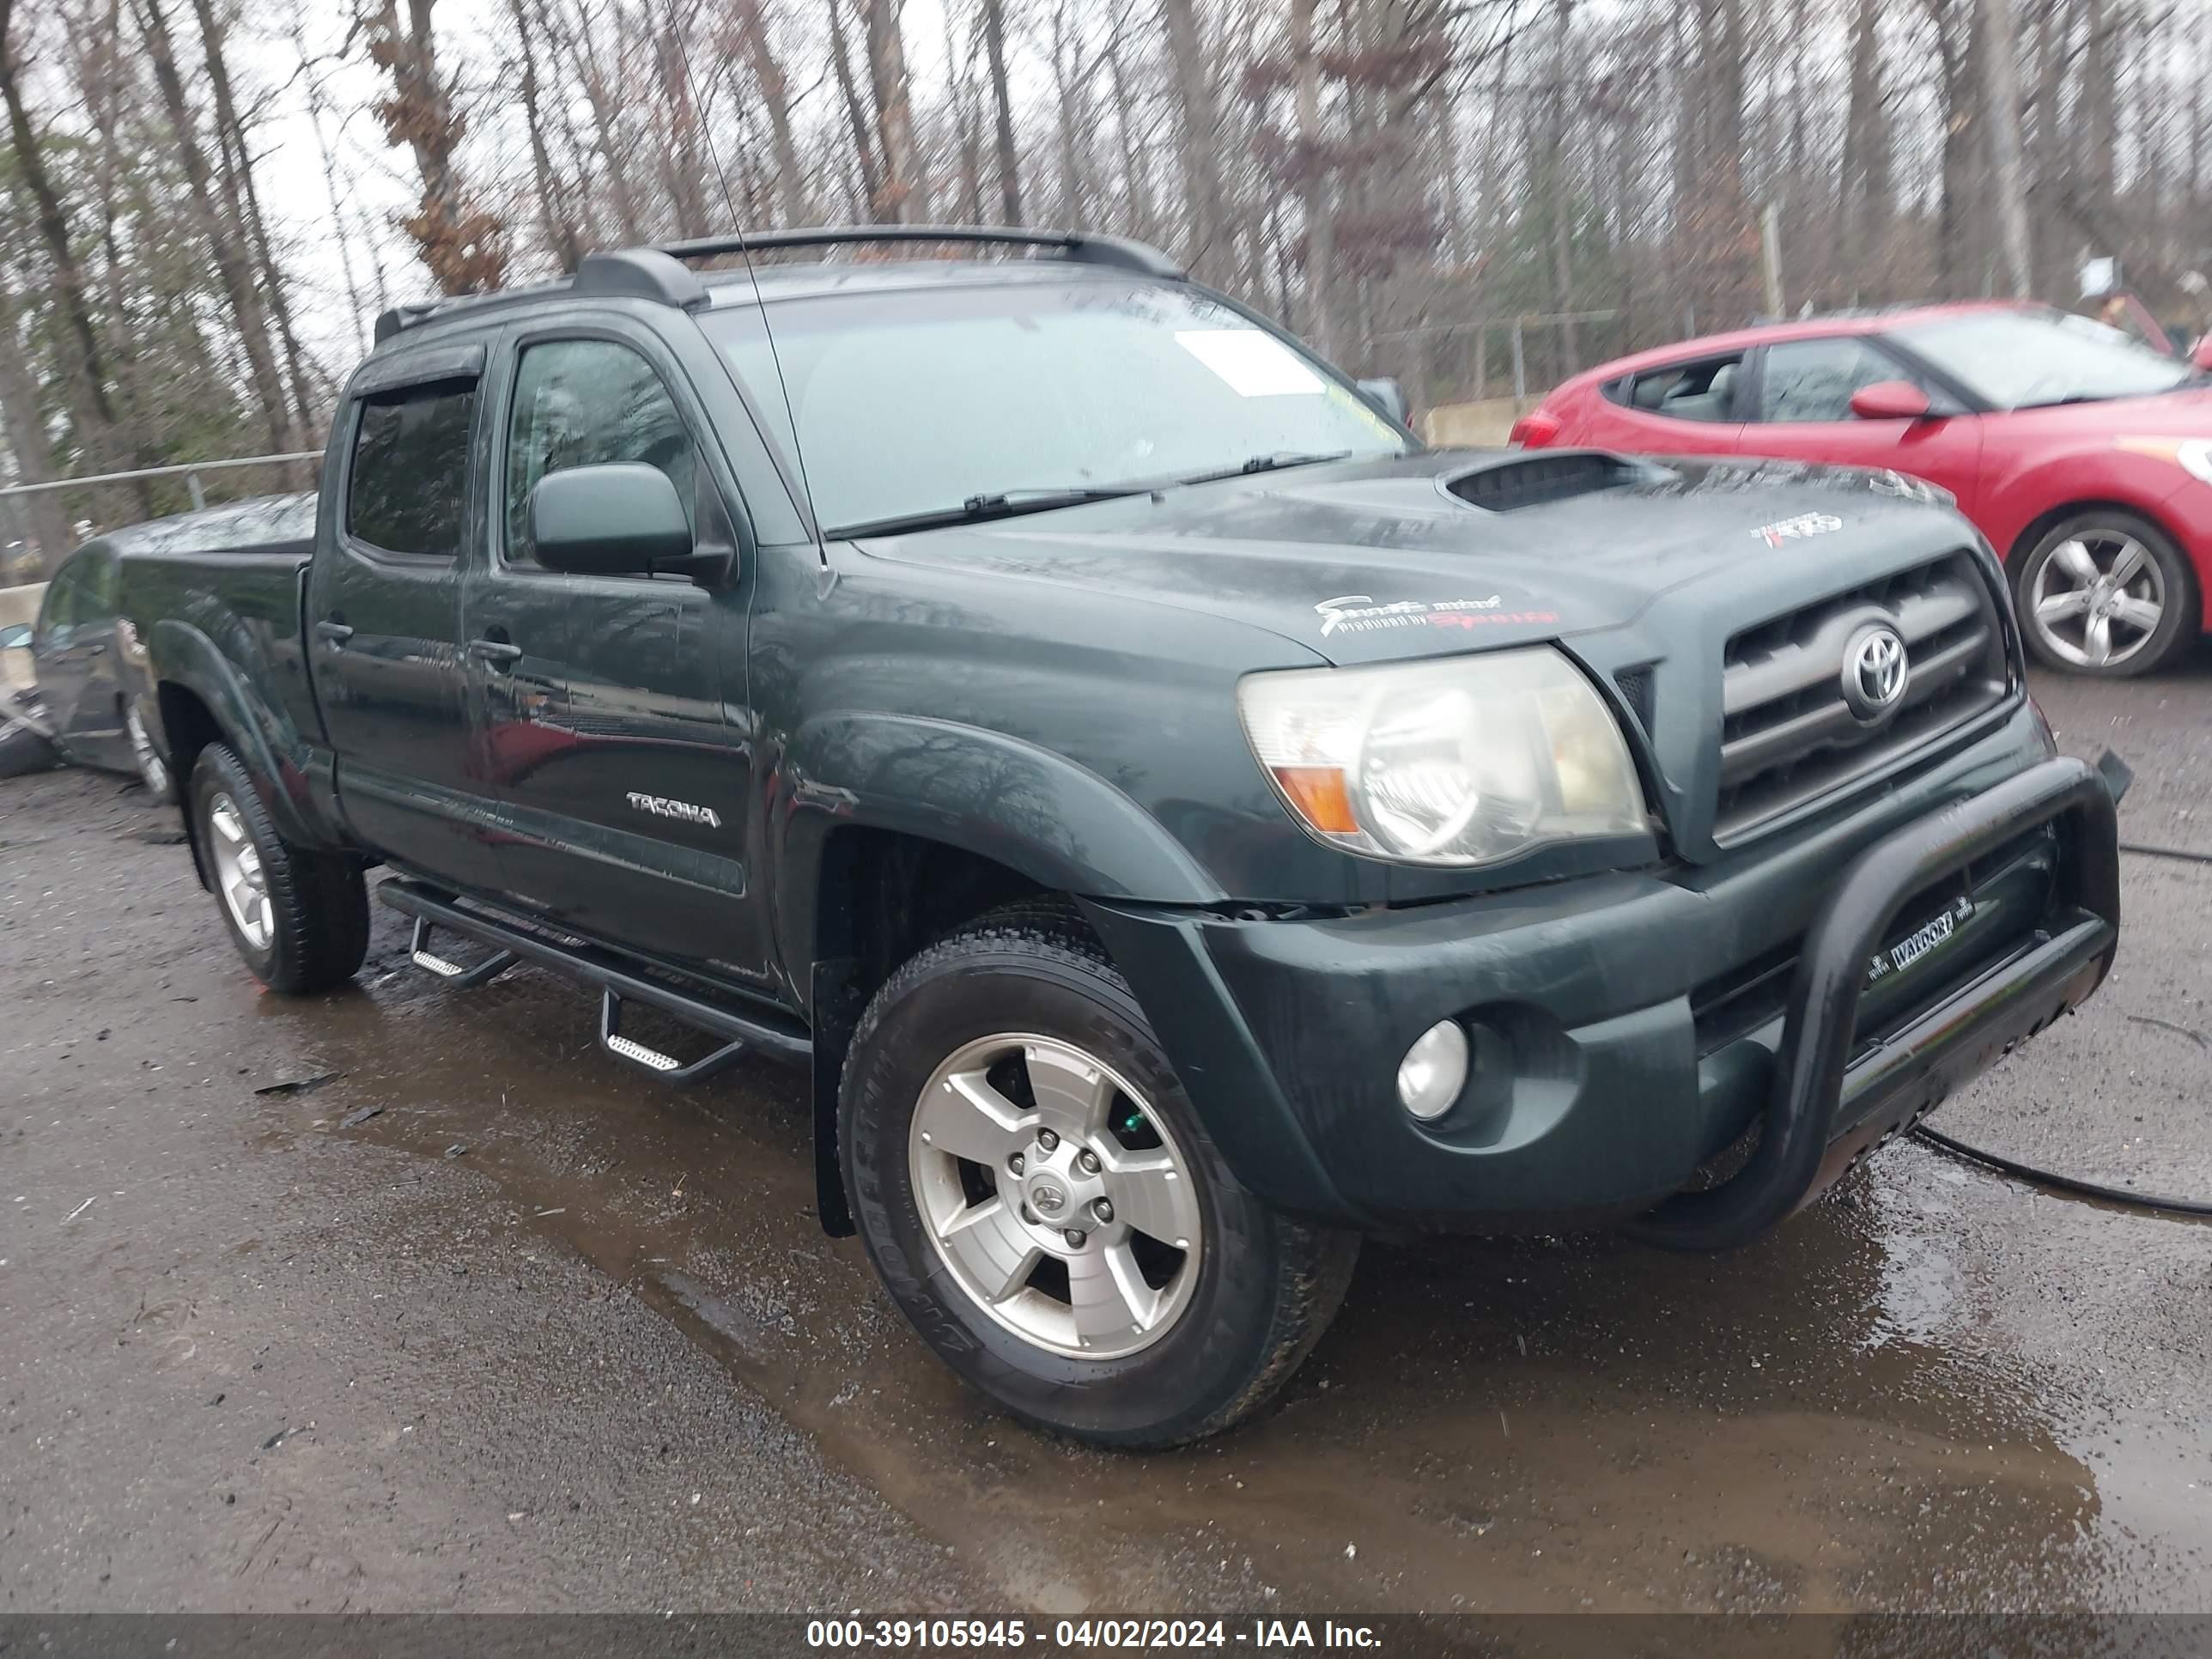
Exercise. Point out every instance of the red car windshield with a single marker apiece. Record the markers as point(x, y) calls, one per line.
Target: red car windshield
point(2027, 360)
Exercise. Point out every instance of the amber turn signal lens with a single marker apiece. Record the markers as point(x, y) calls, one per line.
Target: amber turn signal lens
point(1319, 793)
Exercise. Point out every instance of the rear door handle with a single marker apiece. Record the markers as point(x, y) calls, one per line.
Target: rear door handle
point(336, 632)
point(497, 652)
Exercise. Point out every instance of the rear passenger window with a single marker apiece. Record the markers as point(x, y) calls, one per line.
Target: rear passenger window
point(1703, 391)
point(408, 488)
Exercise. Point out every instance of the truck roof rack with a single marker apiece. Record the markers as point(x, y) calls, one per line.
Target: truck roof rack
point(658, 273)
point(1116, 253)
point(415, 312)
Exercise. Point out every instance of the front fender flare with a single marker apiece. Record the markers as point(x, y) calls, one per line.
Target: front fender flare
point(1038, 813)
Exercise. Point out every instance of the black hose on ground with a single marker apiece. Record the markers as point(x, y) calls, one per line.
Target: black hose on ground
point(2181, 853)
point(2063, 1183)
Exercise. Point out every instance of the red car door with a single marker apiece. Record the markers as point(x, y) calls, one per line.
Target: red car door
point(1800, 410)
point(1693, 407)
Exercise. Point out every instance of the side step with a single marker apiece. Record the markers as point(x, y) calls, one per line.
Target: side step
point(452, 972)
point(616, 981)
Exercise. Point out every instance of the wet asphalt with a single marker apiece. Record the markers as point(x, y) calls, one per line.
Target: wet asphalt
point(406, 1298)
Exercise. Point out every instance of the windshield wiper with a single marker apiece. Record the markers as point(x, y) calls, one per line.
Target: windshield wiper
point(1271, 463)
point(978, 509)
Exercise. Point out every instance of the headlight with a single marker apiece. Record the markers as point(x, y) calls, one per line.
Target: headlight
point(1466, 760)
point(2193, 455)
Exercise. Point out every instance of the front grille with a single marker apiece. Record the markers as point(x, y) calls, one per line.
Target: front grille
point(1788, 737)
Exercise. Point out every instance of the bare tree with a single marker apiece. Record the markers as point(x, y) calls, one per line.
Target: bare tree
point(752, 29)
point(464, 246)
point(864, 143)
point(555, 217)
point(22, 417)
point(2007, 173)
point(86, 371)
point(901, 193)
point(219, 224)
point(1201, 129)
point(237, 164)
point(1002, 108)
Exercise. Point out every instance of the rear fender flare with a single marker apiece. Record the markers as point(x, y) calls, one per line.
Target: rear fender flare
point(275, 753)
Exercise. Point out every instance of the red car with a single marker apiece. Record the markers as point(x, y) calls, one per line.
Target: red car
point(2085, 458)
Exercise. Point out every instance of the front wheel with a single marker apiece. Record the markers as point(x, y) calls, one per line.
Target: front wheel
point(2106, 593)
point(1046, 1208)
point(300, 918)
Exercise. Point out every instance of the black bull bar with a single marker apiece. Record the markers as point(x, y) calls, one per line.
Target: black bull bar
point(1824, 1110)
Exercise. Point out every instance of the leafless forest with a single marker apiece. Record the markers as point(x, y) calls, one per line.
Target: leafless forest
point(1396, 179)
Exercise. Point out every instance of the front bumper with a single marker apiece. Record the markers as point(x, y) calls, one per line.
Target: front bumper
point(1620, 1042)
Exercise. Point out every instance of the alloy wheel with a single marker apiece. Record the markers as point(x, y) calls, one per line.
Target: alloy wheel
point(238, 872)
point(2098, 600)
point(1055, 1196)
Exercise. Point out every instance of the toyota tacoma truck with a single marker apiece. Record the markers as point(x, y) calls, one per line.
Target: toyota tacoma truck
point(1182, 823)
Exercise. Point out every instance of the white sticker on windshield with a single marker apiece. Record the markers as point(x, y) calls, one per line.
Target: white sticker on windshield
point(1254, 365)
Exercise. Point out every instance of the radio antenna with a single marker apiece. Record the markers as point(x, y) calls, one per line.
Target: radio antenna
point(752, 275)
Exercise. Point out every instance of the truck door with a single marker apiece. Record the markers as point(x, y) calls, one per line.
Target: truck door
point(383, 613)
point(623, 800)
point(72, 655)
point(57, 664)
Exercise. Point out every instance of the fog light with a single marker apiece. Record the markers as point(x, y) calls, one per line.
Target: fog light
point(1434, 1071)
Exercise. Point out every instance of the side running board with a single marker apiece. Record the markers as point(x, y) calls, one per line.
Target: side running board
point(618, 980)
point(452, 972)
point(652, 1060)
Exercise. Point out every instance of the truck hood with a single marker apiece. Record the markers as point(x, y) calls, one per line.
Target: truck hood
point(1388, 560)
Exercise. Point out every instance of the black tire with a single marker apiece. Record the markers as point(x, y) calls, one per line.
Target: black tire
point(318, 902)
point(2103, 529)
point(1265, 1286)
point(23, 752)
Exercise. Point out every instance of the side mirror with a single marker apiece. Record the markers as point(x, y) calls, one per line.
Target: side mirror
point(1388, 396)
point(1891, 400)
point(622, 520)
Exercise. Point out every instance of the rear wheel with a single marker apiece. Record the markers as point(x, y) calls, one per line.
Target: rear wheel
point(2106, 593)
point(1044, 1205)
point(300, 918)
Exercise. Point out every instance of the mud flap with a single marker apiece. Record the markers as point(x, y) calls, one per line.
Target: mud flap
point(835, 1003)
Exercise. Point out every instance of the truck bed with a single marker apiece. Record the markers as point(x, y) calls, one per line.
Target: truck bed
point(233, 574)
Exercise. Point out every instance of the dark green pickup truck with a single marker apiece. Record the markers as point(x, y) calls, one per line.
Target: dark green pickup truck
point(1183, 822)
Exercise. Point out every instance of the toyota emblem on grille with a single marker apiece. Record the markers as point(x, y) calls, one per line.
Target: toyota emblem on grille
point(1876, 670)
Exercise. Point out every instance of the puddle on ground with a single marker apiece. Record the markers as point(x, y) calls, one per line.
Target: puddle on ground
point(1825, 1422)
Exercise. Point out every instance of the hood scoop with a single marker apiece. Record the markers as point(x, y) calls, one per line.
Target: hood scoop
point(1513, 481)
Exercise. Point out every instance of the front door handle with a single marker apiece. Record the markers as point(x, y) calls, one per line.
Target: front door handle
point(336, 632)
point(498, 652)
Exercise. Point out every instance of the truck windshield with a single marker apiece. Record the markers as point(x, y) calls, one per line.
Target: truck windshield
point(934, 405)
